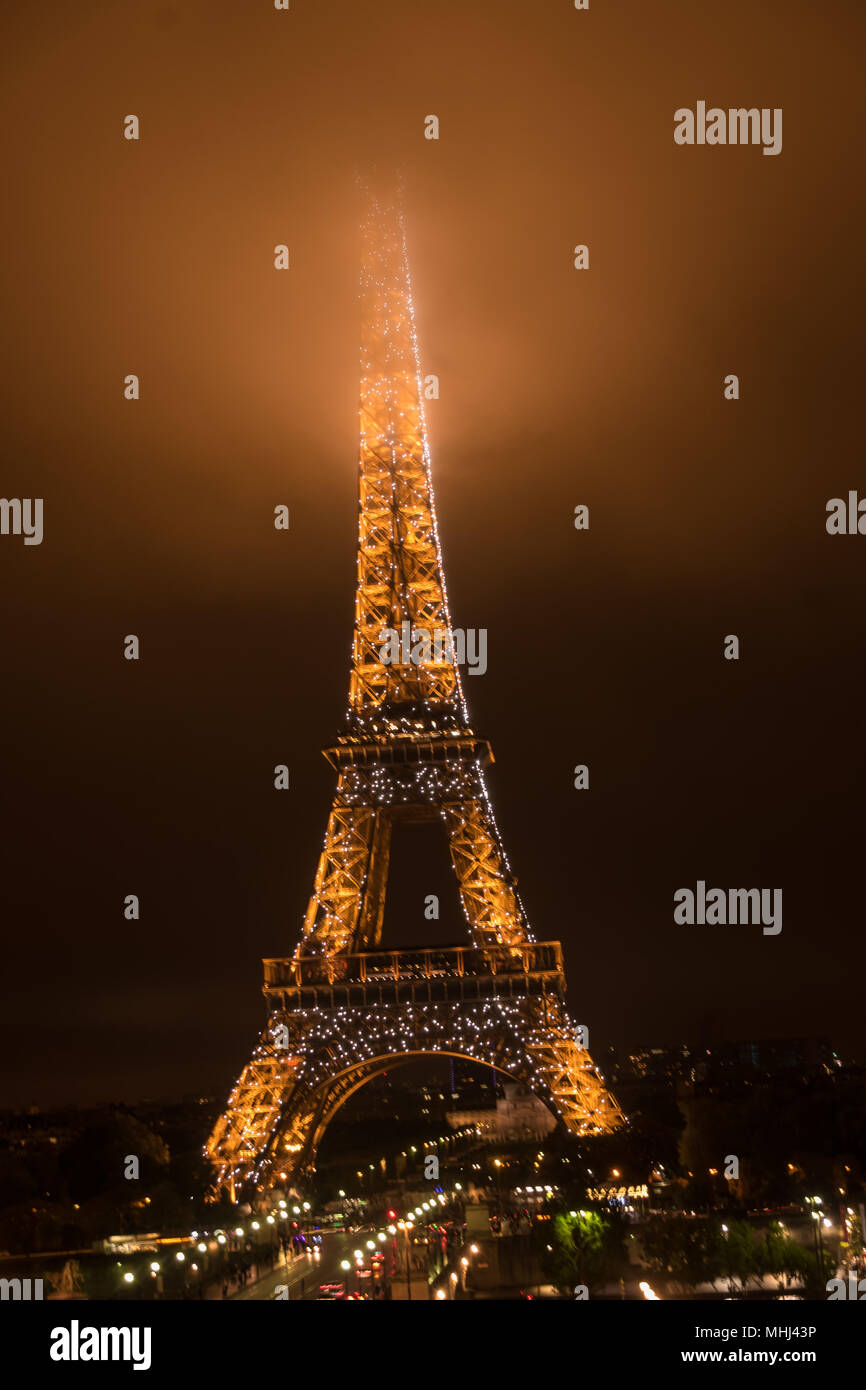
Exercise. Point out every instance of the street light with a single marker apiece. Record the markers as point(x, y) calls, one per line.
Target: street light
point(819, 1244)
point(730, 1271)
point(407, 1231)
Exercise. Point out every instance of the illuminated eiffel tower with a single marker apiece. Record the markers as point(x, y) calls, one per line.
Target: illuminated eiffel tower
point(342, 1008)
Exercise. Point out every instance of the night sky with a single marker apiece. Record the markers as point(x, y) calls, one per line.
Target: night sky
point(558, 387)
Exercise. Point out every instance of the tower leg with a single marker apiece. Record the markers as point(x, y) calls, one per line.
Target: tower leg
point(331, 923)
point(486, 884)
point(243, 1136)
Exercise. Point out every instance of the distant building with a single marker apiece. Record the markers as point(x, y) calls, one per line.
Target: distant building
point(518, 1114)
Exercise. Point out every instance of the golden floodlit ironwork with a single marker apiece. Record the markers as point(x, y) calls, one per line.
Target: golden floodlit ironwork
point(341, 1008)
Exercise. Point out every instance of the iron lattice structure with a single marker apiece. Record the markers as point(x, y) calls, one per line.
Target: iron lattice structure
point(342, 1008)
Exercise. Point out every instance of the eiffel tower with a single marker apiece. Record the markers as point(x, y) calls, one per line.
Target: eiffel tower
point(342, 1008)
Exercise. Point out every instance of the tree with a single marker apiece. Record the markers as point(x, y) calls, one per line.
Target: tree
point(743, 1253)
point(581, 1248)
point(93, 1164)
point(784, 1257)
point(682, 1249)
